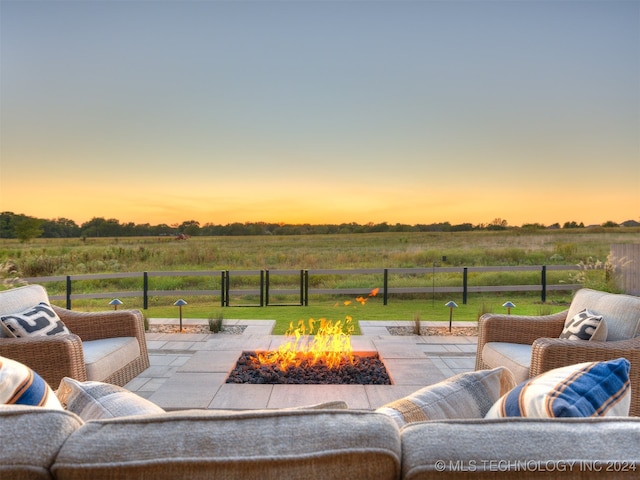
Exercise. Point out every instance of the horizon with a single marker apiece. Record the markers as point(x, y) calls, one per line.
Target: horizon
point(310, 112)
point(391, 224)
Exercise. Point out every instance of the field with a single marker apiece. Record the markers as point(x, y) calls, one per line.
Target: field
point(55, 257)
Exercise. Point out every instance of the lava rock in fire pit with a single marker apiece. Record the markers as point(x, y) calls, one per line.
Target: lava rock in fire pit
point(364, 370)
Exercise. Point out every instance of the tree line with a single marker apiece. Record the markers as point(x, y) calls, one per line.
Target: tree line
point(24, 228)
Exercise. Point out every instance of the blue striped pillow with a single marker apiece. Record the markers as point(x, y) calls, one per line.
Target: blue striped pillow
point(591, 389)
point(19, 385)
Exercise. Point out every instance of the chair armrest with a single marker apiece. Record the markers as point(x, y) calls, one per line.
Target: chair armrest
point(519, 328)
point(100, 325)
point(523, 329)
point(51, 357)
point(550, 353)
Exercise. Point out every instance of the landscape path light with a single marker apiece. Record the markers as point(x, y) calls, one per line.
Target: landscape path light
point(451, 306)
point(179, 303)
point(115, 302)
point(509, 306)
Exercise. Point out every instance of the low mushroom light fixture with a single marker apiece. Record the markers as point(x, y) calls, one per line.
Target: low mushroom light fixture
point(509, 306)
point(115, 302)
point(451, 306)
point(179, 303)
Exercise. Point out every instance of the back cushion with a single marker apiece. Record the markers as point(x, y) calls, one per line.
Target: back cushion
point(19, 299)
point(30, 438)
point(621, 313)
point(268, 444)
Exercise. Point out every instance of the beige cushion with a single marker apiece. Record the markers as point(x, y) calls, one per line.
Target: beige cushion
point(97, 400)
point(520, 448)
point(30, 438)
point(466, 395)
point(267, 444)
point(20, 385)
point(620, 312)
point(586, 389)
point(105, 356)
point(514, 356)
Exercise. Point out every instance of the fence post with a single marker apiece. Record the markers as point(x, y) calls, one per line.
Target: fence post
point(385, 284)
point(68, 292)
point(145, 290)
point(544, 283)
point(266, 289)
point(301, 287)
point(465, 282)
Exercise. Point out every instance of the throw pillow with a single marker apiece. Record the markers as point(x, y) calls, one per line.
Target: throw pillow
point(40, 320)
point(591, 389)
point(585, 326)
point(466, 395)
point(96, 400)
point(20, 385)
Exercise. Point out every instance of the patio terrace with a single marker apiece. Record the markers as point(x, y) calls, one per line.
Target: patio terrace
point(190, 370)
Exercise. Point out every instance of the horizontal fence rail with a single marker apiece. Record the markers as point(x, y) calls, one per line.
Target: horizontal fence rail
point(221, 282)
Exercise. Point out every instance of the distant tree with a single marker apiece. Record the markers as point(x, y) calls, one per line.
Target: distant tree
point(610, 223)
point(573, 225)
point(190, 227)
point(497, 224)
point(27, 228)
point(533, 226)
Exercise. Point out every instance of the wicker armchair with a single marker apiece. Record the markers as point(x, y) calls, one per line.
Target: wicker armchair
point(59, 356)
point(539, 334)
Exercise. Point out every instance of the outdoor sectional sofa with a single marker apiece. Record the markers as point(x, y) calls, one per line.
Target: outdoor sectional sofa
point(39, 443)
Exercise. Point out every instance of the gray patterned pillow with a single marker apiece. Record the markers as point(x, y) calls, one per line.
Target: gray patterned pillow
point(95, 400)
point(466, 395)
point(585, 326)
point(37, 321)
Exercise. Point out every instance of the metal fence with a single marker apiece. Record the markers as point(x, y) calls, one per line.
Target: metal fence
point(265, 286)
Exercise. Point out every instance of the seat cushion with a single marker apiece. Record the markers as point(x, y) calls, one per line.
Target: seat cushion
point(106, 356)
point(620, 312)
point(516, 357)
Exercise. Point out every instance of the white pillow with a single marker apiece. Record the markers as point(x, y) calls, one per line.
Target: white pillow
point(591, 389)
point(40, 320)
point(20, 385)
point(466, 395)
point(96, 400)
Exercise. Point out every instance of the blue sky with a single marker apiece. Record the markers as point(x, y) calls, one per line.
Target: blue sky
point(321, 111)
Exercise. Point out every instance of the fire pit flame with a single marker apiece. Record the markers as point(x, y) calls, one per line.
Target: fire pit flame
point(330, 345)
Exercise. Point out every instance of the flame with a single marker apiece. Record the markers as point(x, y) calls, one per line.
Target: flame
point(329, 344)
point(320, 342)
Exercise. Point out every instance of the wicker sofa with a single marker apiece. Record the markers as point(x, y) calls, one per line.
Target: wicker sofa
point(530, 345)
point(105, 346)
point(40, 443)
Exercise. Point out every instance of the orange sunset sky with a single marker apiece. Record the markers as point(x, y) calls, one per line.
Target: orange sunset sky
point(321, 112)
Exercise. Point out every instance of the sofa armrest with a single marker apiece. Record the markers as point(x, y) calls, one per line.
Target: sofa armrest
point(550, 353)
point(50, 357)
point(523, 329)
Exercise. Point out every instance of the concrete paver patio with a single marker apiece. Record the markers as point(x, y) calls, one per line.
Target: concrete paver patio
point(190, 370)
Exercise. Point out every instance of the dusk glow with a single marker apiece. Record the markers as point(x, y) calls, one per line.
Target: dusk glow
point(321, 112)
